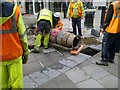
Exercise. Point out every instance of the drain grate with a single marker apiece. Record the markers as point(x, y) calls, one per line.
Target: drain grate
point(90, 51)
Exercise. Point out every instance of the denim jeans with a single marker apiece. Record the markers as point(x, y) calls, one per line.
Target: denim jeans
point(76, 21)
point(109, 46)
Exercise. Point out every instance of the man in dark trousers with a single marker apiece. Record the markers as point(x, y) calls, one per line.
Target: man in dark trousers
point(46, 20)
point(111, 31)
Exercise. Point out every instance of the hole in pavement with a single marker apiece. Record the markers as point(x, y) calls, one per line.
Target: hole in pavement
point(90, 51)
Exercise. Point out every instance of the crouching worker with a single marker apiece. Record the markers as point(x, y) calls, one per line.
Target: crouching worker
point(46, 20)
point(60, 24)
point(13, 46)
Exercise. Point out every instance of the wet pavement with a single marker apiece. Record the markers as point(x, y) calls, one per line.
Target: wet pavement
point(55, 67)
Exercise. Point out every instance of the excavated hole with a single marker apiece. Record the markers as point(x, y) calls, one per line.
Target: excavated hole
point(90, 51)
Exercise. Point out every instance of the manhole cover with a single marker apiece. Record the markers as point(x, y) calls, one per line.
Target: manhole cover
point(90, 51)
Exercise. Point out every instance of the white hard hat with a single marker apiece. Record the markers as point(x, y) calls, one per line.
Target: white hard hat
point(57, 14)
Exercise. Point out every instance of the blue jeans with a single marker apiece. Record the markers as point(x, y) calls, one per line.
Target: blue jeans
point(109, 46)
point(76, 21)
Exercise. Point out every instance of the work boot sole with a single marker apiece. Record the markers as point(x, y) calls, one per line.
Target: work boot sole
point(101, 64)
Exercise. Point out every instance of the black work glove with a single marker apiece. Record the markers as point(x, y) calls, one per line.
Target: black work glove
point(25, 59)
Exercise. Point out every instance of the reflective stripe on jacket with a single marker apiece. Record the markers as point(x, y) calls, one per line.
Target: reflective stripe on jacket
point(75, 10)
point(59, 25)
point(114, 26)
point(46, 15)
point(13, 36)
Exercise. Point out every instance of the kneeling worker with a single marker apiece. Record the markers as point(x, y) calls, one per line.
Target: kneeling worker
point(60, 24)
point(45, 21)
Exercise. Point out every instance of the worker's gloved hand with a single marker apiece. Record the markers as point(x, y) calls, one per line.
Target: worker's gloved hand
point(103, 31)
point(25, 59)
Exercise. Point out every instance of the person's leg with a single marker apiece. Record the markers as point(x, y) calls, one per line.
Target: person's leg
point(112, 48)
point(108, 48)
point(79, 26)
point(74, 25)
point(105, 51)
point(16, 74)
point(4, 77)
point(39, 36)
point(37, 42)
point(46, 41)
point(47, 34)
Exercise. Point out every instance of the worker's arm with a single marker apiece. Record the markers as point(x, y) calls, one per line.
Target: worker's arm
point(22, 35)
point(82, 10)
point(54, 21)
point(108, 17)
point(68, 12)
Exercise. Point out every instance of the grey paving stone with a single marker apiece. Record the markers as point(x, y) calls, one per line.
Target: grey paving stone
point(109, 81)
point(59, 82)
point(76, 75)
point(112, 68)
point(95, 71)
point(28, 83)
point(31, 68)
point(51, 73)
point(60, 67)
point(68, 63)
point(98, 47)
point(79, 58)
point(89, 83)
point(49, 50)
point(39, 78)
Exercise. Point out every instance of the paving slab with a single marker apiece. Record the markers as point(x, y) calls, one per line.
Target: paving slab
point(95, 71)
point(98, 47)
point(39, 78)
point(68, 63)
point(89, 83)
point(28, 83)
point(109, 81)
point(49, 50)
point(112, 68)
point(31, 68)
point(60, 67)
point(79, 58)
point(76, 75)
point(51, 72)
point(59, 82)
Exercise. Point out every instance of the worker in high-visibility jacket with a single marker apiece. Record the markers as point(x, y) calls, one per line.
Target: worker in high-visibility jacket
point(60, 23)
point(76, 12)
point(13, 46)
point(111, 31)
point(46, 20)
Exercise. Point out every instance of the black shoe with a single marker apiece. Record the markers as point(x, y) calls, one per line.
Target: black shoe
point(111, 61)
point(102, 62)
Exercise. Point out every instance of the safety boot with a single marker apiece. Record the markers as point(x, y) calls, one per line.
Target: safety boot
point(102, 62)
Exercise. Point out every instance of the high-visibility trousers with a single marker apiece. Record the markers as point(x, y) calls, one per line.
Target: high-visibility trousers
point(11, 75)
point(38, 41)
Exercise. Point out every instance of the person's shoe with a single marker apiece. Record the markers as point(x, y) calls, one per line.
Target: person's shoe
point(45, 46)
point(111, 61)
point(102, 62)
point(36, 51)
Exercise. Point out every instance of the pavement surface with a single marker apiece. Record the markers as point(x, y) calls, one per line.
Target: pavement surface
point(55, 67)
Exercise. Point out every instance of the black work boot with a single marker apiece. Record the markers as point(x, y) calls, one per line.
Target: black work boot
point(111, 61)
point(102, 62)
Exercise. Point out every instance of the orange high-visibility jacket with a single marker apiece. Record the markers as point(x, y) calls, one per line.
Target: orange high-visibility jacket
point(71, 9)
point(114, 26)
point(59, 25)
point(11, 45)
